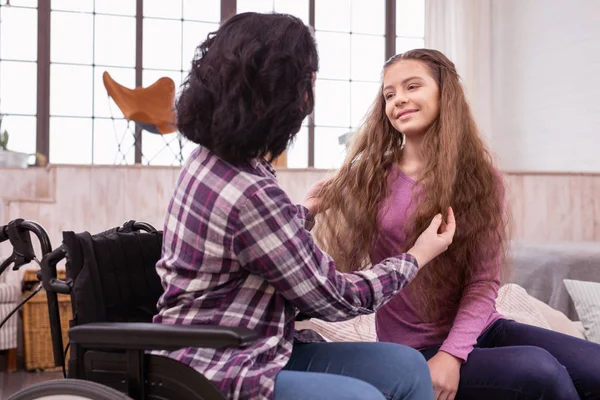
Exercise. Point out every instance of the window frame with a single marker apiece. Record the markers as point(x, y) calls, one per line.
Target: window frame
point(228, 8)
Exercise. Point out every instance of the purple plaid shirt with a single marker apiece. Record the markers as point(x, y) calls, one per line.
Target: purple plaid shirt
point(236, 252)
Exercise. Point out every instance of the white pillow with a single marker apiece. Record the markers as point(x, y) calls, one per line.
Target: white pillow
point(515, 303)
point(586, 296)
point(359, 329)
point(558, 321)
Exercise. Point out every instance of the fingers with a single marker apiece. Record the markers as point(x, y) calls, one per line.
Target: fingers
point(452, 395)
point(450, 226)
point(444, 395)
point(451, 220)
point(437, 393)
point(435, 223)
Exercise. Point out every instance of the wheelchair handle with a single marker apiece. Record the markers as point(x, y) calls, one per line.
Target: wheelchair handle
point(17, 232)
point(3, 233)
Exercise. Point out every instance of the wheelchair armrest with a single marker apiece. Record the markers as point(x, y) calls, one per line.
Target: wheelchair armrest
point(151, 336)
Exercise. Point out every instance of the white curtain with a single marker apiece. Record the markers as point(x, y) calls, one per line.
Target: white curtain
point(461, 29)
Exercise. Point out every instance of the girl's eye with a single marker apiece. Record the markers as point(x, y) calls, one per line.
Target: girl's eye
point(411, 87)
point(388, 96)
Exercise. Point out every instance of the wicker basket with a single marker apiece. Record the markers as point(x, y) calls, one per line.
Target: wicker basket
point(36, 326)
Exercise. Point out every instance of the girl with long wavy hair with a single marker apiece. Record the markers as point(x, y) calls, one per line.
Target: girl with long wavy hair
point(417, 153)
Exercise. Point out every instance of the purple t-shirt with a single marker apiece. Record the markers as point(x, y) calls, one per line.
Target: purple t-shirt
point(398, 321)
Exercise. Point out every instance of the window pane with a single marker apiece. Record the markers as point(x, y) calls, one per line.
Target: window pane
point(332, 15)
point(73, 5)
point(161, 149)
point(21, 133)
point(254, 5)
point(363, 96)
point(405, 44)
point(151, 76)
point(297, 155)
point(107, 136)
point(71, 38)
point(368, 56)
point(329, 153)
point(410, 18)
point(18, 34)
point(332, 103)
point(103, 105)
point(194, 33)
point(119, 7)
point(299, 8)
point(162, 43)
point(368, 16)
point(162, 9)
point(18, 87)
point(334, 55)
point(115, 41)
point(70, 140)
point(71, 90)
point(205, 10)
point(24, 3)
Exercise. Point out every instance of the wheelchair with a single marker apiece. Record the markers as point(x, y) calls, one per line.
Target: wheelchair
point(114, 288)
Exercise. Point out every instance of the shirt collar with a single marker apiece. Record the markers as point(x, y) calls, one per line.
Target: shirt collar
point(262, 164)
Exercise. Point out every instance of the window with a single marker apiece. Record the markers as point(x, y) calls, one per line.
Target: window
point(90, 37)
point(172, 31)
point(352, 53)
point(410, 25)
point(18, 58)
point(103, 34)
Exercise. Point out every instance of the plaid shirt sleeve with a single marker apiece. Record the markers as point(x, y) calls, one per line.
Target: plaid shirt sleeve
point(272, 242)
point(306, 218)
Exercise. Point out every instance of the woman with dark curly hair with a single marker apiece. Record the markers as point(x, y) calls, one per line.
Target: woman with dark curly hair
point(237, 252)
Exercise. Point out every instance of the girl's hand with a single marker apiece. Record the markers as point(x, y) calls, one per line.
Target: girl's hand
point(445, 375)
point(434, 240)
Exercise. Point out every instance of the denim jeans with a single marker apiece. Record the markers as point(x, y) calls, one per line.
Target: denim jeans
point(348, 371)
point(517, 361)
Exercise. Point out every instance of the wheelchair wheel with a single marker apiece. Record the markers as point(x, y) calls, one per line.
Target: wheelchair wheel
point(69, 389)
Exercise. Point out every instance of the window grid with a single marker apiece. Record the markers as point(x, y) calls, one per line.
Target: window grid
point(9, 117)
point(43, 132)
point(93, 70)
point(332, 133)
point(175, 141)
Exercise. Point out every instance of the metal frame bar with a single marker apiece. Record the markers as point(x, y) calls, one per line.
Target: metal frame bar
point(139, 57)
point(311, 117)
point(43, 79)
point(228, 9)
point(390, 28)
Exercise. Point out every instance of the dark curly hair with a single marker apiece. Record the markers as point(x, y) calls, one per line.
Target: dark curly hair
point(250, 87)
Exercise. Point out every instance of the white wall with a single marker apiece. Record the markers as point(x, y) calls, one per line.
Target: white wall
point(546, 84)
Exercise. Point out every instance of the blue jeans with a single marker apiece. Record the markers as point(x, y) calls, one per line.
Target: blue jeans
point(348, 371)
point(517, 361)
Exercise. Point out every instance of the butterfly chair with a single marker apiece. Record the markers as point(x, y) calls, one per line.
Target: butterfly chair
point(114, 289)
point(150, 108)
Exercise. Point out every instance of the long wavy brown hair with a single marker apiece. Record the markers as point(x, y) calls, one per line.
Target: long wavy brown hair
point(458, 172)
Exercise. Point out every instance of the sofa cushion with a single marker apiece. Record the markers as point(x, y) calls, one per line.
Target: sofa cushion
point(586, 296)
point(513, 302)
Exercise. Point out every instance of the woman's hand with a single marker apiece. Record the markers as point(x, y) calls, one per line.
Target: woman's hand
point(435, 239)
point(311, 199)
point(445, 374)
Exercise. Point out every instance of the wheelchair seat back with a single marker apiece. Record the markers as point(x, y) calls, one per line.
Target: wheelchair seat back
point(113, 275)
